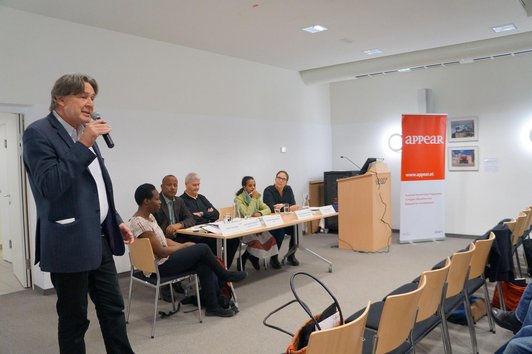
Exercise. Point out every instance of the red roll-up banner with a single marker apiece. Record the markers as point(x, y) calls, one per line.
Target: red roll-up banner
point(423, 177)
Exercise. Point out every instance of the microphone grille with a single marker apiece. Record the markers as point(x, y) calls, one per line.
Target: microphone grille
point(96, 115)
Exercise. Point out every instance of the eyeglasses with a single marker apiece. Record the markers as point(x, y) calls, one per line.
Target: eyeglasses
point(281, 178)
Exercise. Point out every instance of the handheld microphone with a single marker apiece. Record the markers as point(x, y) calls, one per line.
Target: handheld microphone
point(106, 137)
point(348, 159)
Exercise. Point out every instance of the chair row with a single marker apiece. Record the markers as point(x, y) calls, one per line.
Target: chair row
point(407, 314)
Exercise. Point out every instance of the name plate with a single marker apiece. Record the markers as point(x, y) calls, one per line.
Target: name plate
point(303, 213)
point(272, 220)
point(327, 209)
point(251, 223)
point(231, 228)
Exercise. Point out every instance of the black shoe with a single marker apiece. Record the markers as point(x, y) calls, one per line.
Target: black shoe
point(178, 288)
point(190, 300)
point(274, 262)
point(506, 320)
point(165, 293)
point(235, 277)
point(254, 262)
point(292, 260)
point(220, 312)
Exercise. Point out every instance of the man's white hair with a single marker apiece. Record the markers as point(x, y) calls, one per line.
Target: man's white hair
point(191, 177)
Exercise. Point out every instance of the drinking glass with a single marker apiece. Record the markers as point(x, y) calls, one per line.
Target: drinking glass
point(286, 208)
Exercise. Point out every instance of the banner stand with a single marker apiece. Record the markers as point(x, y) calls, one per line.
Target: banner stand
point(422, 201)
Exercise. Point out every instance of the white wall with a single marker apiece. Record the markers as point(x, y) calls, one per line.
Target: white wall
point(365, 112)
point(173, 109)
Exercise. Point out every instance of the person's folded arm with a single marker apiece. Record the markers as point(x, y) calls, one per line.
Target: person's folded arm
point(158, 248)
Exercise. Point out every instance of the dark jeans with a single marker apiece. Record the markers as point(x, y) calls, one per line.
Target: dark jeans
point(232, 245)
point(278, 234)
point(102, 286)
point(200, 259)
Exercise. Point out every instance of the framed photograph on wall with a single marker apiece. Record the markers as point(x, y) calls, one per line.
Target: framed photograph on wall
point(463, 158)
point(462, 129)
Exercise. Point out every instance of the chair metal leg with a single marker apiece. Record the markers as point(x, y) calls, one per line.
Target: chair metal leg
point(470, 323)
point(129, 296)
point(240, 252)
point(445, 334)
point(155, 310)
point(196, 282)
point(375, 343)
point(519, 270)
point(488, 307)
point(502, 303)
point(174, 308)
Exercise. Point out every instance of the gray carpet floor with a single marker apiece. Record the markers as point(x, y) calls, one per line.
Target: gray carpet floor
point(28, 320)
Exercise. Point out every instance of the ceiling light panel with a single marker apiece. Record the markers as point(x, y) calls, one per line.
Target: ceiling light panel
point(373, 51)
point(504, 28)
point(315, 29)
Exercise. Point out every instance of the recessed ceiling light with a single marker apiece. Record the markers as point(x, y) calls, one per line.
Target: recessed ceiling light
point(504, 28)
point(403, 70)
point(315, 29)
point(373, 51)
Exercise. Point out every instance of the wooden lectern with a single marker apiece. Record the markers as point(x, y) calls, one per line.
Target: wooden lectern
point(362, 202)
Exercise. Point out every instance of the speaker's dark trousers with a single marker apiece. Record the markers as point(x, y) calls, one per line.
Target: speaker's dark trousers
point(102, 286)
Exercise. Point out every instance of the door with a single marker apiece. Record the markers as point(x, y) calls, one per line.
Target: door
point(14, 234)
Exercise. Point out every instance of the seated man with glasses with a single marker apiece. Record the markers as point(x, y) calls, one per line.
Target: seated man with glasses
point(204, 212)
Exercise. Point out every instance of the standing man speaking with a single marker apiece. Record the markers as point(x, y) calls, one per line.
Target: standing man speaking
point(78, 229)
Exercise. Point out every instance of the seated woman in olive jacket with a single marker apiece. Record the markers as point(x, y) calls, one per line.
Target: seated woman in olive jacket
point(249, 204)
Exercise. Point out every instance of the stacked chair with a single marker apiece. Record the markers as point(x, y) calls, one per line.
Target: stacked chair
point(447, 286)
point(518, 226)
point(346, 338)
point(395, 322)
point(428, 315)
point(454, 295)
point(476, 278)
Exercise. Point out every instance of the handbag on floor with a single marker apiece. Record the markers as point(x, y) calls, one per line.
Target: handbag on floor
point(511, 293)
point(330, 317)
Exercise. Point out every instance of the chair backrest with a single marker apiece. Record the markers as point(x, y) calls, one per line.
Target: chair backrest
point(517, 226)
point(458, 271)
point(141, 255)
point(480, 256)
point(528, 222)
point(520, 223)
point(346, 338)
point(226, 210)
point(397, 319)
point(431, 297)
point(510, 224)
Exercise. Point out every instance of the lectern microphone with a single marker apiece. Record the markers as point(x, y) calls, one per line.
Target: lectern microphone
point(348, 159)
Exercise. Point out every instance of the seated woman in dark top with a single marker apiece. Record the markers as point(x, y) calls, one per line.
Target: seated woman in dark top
point(176, 258)
point(204, 212)
point(275, 196)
